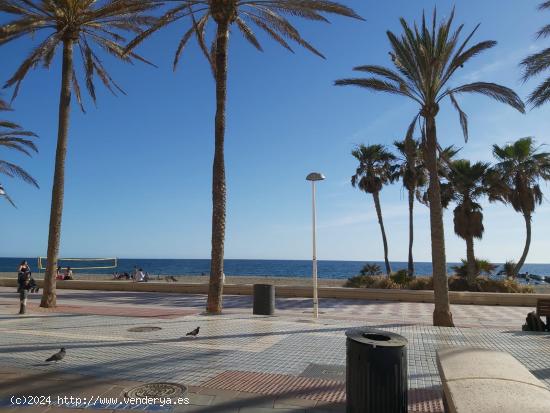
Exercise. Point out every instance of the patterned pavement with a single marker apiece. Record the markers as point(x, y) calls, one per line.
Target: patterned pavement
point(266, 359)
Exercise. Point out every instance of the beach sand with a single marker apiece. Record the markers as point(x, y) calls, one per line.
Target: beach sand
point(203, 279)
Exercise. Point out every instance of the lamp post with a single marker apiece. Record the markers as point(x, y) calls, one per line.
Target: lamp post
point(2, 191)
point(314, 176)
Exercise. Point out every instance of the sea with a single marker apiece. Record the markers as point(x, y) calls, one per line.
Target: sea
point(268, 268)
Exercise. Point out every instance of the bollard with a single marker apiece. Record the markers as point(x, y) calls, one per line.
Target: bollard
point(23, 301)
point(376, 372)
point(264, 299)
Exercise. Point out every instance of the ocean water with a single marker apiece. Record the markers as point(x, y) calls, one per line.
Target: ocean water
point(273, 268)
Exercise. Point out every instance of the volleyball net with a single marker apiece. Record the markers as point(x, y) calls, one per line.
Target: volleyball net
point(80, 263)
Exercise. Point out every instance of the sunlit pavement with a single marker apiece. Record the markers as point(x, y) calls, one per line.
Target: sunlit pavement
point(238, 362)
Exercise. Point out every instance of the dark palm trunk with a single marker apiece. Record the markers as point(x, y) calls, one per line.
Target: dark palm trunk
point(410, 268)
point(49, 296)
point(442, 313)
point(215, 291)
point(376, 197)
point(521, 261)
point(471, 270)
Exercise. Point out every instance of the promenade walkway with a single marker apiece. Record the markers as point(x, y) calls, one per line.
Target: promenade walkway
point(239, 362)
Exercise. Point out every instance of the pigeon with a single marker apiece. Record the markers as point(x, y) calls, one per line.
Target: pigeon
point(57, 356)
point(194, 333)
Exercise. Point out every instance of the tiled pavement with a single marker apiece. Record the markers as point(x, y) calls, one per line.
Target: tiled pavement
point(172, 305)
point(239, 362)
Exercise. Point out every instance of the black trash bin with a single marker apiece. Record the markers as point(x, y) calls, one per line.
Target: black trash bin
point(376, 372)
point(264, 299)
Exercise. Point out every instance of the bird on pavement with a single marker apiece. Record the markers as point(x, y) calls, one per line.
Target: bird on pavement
point(194, 333)
point(57, 356)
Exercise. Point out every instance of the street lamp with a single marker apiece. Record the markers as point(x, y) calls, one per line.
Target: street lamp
point(2, 192)
point(314, 176)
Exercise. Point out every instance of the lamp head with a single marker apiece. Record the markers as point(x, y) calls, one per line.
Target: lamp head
point(315, 176)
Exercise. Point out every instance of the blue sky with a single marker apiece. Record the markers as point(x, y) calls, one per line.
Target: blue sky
point(139, 166)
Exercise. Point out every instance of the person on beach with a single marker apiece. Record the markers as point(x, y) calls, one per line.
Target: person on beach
point(59, 275)
point(69, 274)
point(24, 277)
point(135, 273)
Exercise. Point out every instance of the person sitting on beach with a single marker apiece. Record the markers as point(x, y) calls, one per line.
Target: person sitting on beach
point(68, 274)
point(24, 278)
point(59, 274)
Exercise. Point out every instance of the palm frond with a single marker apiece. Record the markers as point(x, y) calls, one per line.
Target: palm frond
point(540, 95)
point(535, 64)
point(14, 171)
point(463, 117)
point(493, 90)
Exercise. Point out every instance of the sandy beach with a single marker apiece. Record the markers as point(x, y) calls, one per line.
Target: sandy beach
point(234, 279)
point(203, 279)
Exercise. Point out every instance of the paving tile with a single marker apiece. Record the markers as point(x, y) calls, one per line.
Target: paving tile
point(267, 410)
point(200, 399)
point(288, 402)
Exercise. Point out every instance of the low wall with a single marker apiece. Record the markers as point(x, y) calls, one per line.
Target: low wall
point(456, 297)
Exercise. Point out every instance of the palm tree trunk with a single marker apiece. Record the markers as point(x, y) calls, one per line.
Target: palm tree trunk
point(410, 268)
point(521, 261)
point(48, 294)
point(442, 312)
point(215, 291)
point(376, 198)
point(471, 270)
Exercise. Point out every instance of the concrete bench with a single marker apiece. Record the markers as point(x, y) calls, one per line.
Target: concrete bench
point(478, 380)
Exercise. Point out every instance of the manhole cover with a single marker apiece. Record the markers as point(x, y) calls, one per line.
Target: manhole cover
point(171, 390)
point(143, 329)
point(335, 372)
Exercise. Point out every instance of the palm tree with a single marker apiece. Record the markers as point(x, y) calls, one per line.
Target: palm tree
point(268, 16)
point(537, 63)
point(376, 169)
point(425, 59)
point(370, 269)
point(66, 24)
point(12, 136)
point(481, 267)
point(514, 180)
point(412, 172)
point(508, 269)
point(467, 184)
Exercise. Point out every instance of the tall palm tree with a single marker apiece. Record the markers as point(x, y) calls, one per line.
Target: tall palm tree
point(376, 168)
point(268, 17)
point(68, 24)
point(425, 59)
point(537, 63)
point(12, 136)
point(412, 172)
point(467, 184)
point(514, 180)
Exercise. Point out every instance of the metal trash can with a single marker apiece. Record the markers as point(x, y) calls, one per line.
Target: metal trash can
point(376, 372)
point(264, 299)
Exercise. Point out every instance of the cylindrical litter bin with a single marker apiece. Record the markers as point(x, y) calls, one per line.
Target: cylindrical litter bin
point(264, 299)
point(376, 371)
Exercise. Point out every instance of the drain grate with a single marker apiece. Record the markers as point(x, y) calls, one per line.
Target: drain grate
point(325, 371)
point(153, 390)
point(144, 329)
